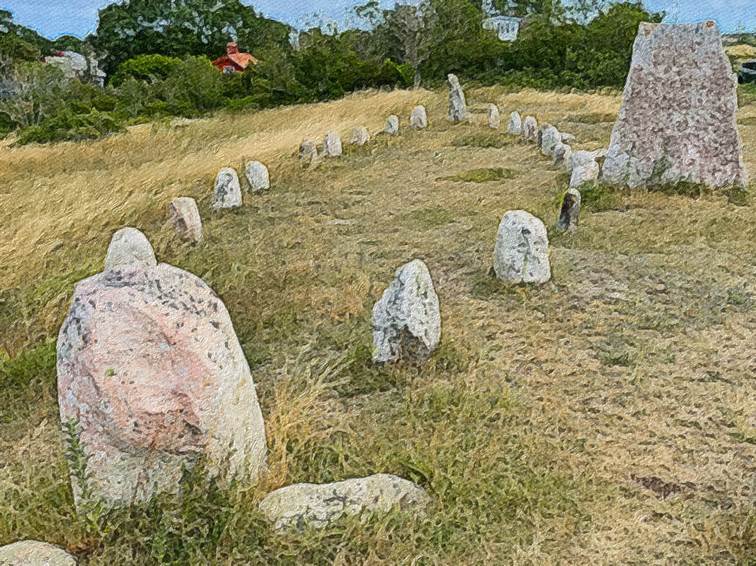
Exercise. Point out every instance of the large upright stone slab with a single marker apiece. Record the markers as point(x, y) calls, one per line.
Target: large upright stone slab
point(457, 102)
point(407, 319)
point(522, 249)
point(677, 122)
point(153, 377)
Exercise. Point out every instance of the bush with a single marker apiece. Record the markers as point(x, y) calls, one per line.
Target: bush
point(149, 68)
point(68, 126)
point(192, 88)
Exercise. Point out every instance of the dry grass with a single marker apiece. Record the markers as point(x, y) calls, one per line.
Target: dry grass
point(606, 418)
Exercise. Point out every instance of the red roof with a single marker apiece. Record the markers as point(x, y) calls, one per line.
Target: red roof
point(233, 58)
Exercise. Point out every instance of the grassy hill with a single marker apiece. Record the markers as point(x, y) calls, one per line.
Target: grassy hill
point(607, 417)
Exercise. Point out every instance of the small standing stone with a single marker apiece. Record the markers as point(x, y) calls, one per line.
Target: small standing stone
point(457, 103)
point(318, 505)
point(184, 216)
point(129, 246)
point(515, 124)
point(494, 117)
point(585, 169)
point(227, 189)
point(308, 151)
point(34, 553)
point(549, 137)
point(569, 213)
point(332, 145)
point(419, 118)
point(530, 129)
point(360, 136)
point(562, 154)
point(258, 176)
point(392, 125)
point(522, 249)
point(407, 319)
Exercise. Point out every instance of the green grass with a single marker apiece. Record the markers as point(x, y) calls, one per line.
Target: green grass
point(484, 175)
point(427, 218)
point(486, 139)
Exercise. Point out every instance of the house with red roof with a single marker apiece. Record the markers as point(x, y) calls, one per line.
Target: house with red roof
point(234, 61)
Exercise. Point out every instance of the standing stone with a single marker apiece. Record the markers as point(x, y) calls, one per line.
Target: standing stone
point(515, 124)
point(407, 319)
point(360, 136)
point(318, 505)
point(585, 169)
point(332, 145)
point(530, 129)
point(677, 122)
point(227, 190)
point(569, 213)
point(129, 246)
point(34, 553)
point(494, 117)
point(308, 151)
point(258, 176)
point(562, 154)
point(392, 125)
point(457, 103)
point(153, 377)
point(522, 249)
point(549, 137)
point(419, 118)
point(184, 216)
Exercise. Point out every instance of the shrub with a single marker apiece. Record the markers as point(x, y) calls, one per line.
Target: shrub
point(68, 126)
point(150, 68)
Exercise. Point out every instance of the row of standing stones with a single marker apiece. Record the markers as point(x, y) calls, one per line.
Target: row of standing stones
point(152, 375)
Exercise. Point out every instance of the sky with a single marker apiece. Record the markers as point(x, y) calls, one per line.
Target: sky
point(53, 18)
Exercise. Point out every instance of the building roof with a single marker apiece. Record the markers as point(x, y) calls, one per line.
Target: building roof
point(233, 55)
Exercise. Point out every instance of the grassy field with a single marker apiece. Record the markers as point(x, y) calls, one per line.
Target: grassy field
point(608, 417)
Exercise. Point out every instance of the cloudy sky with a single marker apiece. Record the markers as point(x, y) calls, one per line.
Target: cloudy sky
point(79, 17)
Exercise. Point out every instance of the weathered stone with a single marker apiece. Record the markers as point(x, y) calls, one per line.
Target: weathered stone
point(569, 212)
point(567, 138)
point(308, 151)
point(457, 103)
point(549, 137)
point(677, 122)
point(184, 216)
point(129, 246)
point(318, 505)
point(34, 553)
point(419, 118)
point(332, 145)
point(585, 169)
point(494, 117)
point(522, 249)
point(407, 319)
point(392, 125)
point(153, 376)
point(258, 176)
point(228, 192)
point(360, 136)
point(562, 154)
point(530, 129)
point(515, 124)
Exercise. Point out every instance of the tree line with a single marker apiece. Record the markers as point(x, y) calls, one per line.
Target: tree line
point(157, 55)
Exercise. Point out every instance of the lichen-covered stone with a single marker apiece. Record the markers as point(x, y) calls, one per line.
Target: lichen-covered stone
point(258, 176)
point(227, 192)
point(185, 218)
point(677, 122)
point(522, 249)
point(530, 129)
point(569, 213)
point(515, 124)
point(562, 154)
point(129, 246)
point(318, 505)
point(585, 169)
point(494, 117)
point(153, 376)
point(457, 104)
point(392, 125)
point(34, 553)
point(407, 319)
point(360, 136)
point(419, 118)
point(308, 151)
point(548, 138)
point(332, 145)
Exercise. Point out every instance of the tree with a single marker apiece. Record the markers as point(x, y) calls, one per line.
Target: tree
point(411, 29)
point(30, 92)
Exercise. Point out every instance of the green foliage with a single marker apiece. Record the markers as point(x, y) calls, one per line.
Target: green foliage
point(148, 68)
point(483, 139)
point(24, 378)
point(69, 126)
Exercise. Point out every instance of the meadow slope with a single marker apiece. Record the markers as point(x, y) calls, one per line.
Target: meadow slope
point(608, 417)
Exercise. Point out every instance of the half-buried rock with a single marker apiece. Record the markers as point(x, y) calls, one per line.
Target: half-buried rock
point(34, 553)
point(569, 212)
point(318, 505)
point(679, 109)
point(407, 319)
point(129, 246)
point(494, 117)
point(332, 145)
point(522, 249)
point(184, 216)
point(419, 118)
point(360, 136)
point(152, 376)
point(258, 176)
point(227, 192)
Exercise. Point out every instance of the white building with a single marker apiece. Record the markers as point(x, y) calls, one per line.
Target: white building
point(506, 27)
point(77, 66)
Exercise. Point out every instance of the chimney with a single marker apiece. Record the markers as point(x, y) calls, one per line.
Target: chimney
point(232, 48)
